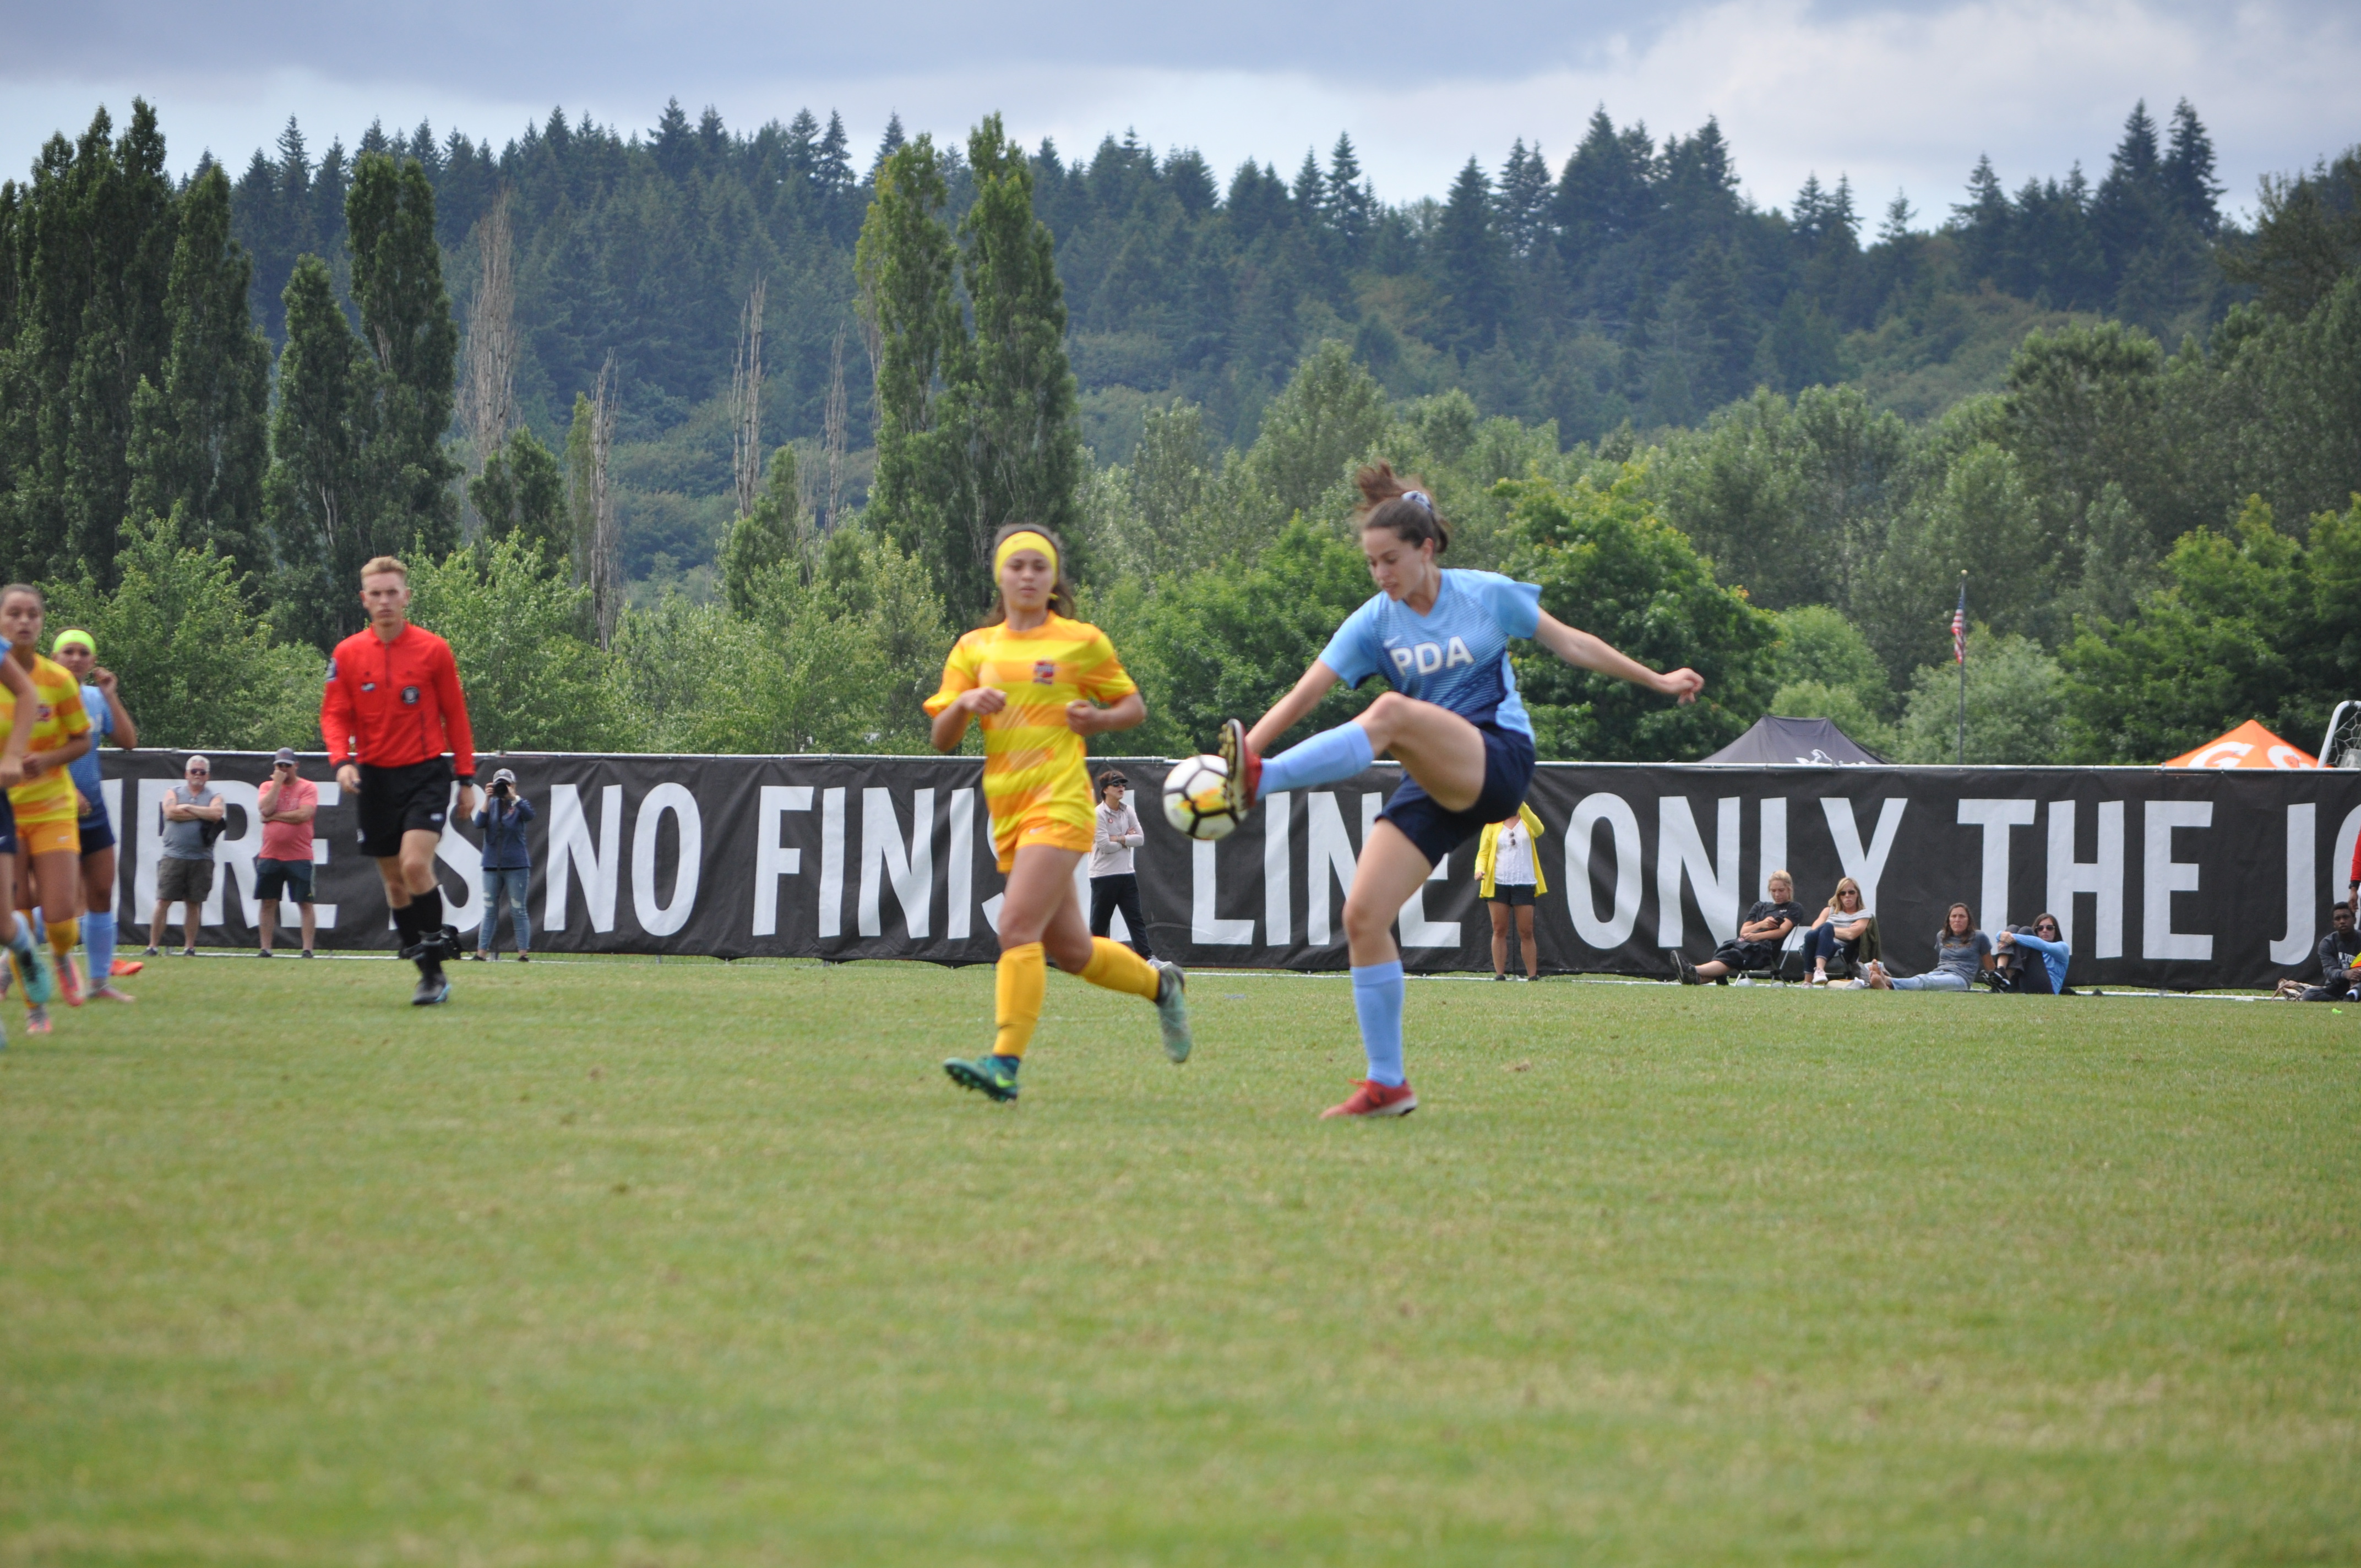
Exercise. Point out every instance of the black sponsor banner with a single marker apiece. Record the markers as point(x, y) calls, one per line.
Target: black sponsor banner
point(2160, 878)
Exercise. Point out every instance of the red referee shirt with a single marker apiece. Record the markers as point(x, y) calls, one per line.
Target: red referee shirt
point(393, 704)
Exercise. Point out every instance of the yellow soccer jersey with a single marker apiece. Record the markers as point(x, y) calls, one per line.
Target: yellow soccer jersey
point(1034, 783)
point(59, 718)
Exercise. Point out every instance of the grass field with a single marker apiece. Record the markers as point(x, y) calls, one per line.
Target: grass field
point(638, 1263)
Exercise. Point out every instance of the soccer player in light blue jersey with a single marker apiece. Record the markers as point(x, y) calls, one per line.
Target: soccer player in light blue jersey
point(1453, 720)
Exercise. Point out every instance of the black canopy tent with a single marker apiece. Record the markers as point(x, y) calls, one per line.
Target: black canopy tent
point(1795, 742)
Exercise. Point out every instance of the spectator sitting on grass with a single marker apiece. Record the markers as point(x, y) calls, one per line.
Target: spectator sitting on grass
point(2047, 978)
point(1961, 953)
point(1843, 931)
point(2340, 974)
point(1756, 945)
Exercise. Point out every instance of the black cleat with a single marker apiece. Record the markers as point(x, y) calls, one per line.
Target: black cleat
point(432, 990)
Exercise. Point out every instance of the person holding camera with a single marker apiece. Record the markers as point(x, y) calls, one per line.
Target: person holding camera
point(286, 804)
point(193, 818)
point(507, 866)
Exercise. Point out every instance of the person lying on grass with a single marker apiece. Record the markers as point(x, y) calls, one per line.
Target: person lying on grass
point(1961, 953)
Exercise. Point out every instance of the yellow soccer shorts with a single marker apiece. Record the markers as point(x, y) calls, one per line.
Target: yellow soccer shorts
point(1039, 828)
point(60, 834)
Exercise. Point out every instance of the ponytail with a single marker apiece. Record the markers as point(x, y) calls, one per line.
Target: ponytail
point(1407, 510)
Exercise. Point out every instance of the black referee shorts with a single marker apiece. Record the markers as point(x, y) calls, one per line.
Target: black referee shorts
point(394, 801)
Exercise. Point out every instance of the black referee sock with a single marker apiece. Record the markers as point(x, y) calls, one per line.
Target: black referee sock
point(405, 923)
point(426, 909)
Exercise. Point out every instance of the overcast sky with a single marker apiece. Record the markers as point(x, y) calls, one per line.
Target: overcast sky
point(1901, 94)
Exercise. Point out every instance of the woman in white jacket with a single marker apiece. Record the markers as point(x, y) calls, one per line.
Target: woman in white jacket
point(1113, 885)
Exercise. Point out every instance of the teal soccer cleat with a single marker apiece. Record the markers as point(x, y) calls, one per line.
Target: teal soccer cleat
point(1172, 1009)
point(983, 1075)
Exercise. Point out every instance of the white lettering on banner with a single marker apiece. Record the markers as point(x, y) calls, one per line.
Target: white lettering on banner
point(1278, 894)
point(1580, 894)
point(1996, 817)
point(234, 852)
point(1330, 854)
point(571, 854)
point(1866, 867)
point(959, 878)
point(2348, 836)
point(664, 919)
point(463, 910)
point(1680, 850)
point(2303, 916)
point(773, 860)
point(110, 793)
point(1206, 925)
point(1771, 855)
point(2163, 876)
point(324, 916)
point(146, 834)
point(911, 871)
point(1417, 930)
point(2102, 877)
point(831, 862)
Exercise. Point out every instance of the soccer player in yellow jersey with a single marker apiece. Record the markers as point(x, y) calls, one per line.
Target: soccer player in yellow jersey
point(1040, 683)
point(49, 842)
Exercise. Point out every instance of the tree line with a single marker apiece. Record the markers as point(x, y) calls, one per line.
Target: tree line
point(2151, 536)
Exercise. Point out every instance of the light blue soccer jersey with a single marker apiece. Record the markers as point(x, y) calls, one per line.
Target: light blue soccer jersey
point(1456, 656)
point(83, 770)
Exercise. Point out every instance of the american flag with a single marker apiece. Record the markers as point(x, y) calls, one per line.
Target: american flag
point(1960, 628)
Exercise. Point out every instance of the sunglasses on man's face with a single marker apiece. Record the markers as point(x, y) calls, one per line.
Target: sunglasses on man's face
point(197, 773)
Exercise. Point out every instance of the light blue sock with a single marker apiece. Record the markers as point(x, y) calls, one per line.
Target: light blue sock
point(21, 944)
point(1378, 1003)
point(98, 943)
point(1331, 755)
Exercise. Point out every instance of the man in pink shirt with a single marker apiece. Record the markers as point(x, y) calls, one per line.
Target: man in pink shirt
point(282, 866)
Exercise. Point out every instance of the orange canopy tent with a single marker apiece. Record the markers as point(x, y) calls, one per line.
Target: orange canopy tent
point(2248, 746)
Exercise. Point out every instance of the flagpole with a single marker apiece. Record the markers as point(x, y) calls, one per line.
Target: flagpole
point(1959, 652)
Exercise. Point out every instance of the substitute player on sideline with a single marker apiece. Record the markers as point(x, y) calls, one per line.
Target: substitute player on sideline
point(392, 711)
point(77, 651)
point(1034, 679)
point(1452, 721)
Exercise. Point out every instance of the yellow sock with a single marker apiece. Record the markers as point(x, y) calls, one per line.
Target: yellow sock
point(63, 935)
point(1017, 994)
point(1117, 968)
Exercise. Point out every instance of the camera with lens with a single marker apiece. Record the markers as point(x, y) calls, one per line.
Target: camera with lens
point(501, 788)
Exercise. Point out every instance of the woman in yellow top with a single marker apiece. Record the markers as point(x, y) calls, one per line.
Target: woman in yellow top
point(1505, 856)
point(46, 809)
point(1039, 683)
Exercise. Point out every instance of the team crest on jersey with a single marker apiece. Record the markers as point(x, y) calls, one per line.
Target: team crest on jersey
point(1425, 658)
point(43, 711)
point(1045, 672)
point(410, 696)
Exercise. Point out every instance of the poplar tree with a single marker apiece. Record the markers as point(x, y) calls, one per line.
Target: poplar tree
point(520, 495)
point(80, 322)
point(408, 330)
point(906, 263)
point(313, 495)
point(199, 434)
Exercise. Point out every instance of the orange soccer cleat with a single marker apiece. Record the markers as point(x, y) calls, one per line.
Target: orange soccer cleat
point(1371, 1097)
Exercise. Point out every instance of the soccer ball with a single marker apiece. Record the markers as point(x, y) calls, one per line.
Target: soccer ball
point(1192, 798)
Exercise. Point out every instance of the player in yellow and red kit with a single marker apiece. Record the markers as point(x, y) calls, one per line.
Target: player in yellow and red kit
point(1039, 683)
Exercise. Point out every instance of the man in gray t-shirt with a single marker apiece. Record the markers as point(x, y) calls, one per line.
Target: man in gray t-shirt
point(184, 874)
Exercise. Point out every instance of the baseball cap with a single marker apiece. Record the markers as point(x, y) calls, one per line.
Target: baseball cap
point(75, 639)
point(504, 775)
point(286, 754)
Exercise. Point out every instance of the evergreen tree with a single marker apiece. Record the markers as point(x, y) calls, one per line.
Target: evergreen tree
point(2189, 181)
point(887, 145)
point(803, 145)
point(199, 435)
point(771, 536)
point(1526, 191)
point(1470, 263)
point(1349, 201)
point(520, 495)
point(1983, 222)
point(1309, 189)
point(675, 148)
point(832, 160)
point(1602, 198)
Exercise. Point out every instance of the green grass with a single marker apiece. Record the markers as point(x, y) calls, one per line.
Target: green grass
point(634, 1263)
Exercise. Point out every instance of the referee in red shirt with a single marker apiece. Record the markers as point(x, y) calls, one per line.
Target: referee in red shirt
point(392, 711)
